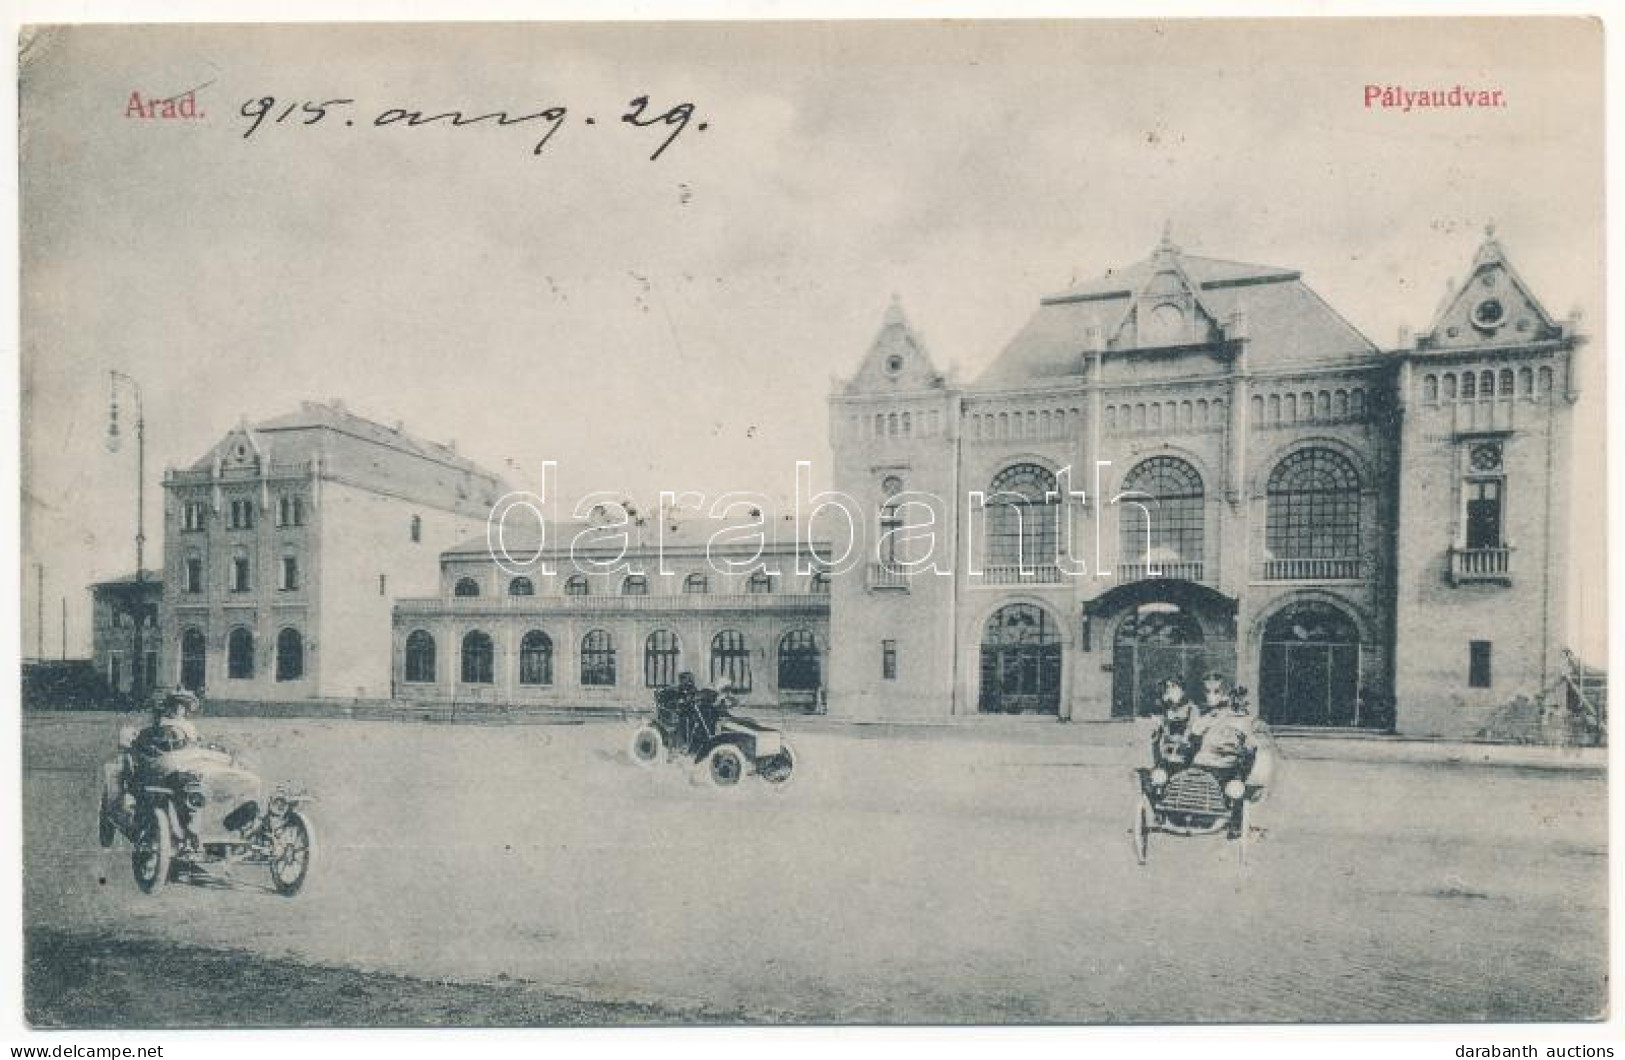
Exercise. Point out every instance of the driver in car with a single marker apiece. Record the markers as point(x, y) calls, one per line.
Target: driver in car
point(1171, 744)
point(171, 727)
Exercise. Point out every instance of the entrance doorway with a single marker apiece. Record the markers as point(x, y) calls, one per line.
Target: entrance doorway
point(1021, 662)
point(1156, 641)
point(1309, 670)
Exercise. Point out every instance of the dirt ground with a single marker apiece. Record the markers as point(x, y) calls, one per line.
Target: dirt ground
point(529, 875)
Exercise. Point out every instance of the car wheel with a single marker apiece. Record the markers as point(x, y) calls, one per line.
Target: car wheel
point(294, 845)
point(778, 769)
point(647, 747)
point(105, 830)
point(725, 765)
point(151, 852)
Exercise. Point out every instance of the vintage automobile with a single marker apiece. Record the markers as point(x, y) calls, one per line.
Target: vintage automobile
point(185, 807)
point(699, 727)
point(1182, 799)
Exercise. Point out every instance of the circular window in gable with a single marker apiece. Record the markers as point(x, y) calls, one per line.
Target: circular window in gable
point(894, 364)
point(1489, 314)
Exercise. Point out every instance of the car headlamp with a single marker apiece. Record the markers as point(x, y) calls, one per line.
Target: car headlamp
point(195, 798)
point(1159, 777)
point(1234, 789)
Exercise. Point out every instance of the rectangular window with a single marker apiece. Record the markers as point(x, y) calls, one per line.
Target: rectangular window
point(242, 515)
point(1484, 508)
point(289, 574)
point(383, 581)
point(149, 674)
point(194, 576)
point(888, 660)
point(115, 674)
point(239, 574)
point(192, 516)
point(1478, 664)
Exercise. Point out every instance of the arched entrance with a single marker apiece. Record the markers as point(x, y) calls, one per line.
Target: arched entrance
point(193, 655)
point(1309, 669)
point(1159, 640)
point(1021, 662)
point(800, 672)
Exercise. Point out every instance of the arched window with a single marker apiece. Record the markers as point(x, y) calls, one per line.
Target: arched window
point(536, 659)
point(730, 660)
point(662, 659)
point(466, 587)
point(798, 662)
point(1313, 507)
point(194, 659)
point(598, 659)
point(290, 655)
point(1449, 389)
point(1430, 388)
point(760, 582)
point(1175, 512)
point(1486, 384)
point(697, 584)
point(1021, 662)
point(521, 587)
point(1021, 517)
point(1507, 383)
point(635, 585)
point(420, 656)
point(1526, 382)
point(240, 654)
point(576, 586)
point(478, 656)
point(819, 583)
point(1469, 386)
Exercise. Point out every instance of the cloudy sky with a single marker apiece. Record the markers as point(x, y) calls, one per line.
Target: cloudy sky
point(675, 324)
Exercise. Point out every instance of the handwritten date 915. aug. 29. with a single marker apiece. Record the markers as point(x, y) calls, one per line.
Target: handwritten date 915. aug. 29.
point(296, 113)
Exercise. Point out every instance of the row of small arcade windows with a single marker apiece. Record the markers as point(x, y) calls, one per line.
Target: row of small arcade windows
point(1487, 384)
point(697, 583)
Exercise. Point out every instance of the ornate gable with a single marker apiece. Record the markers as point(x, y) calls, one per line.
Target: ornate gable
point(241, 450)
point(1493, 306)
point(1168, 309)
point(897, 360)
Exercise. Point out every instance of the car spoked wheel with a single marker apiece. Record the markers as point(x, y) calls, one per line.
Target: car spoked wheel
point(725, 766)
point(647, 748)
point(293, 847)
point(105, 830)
point(151, 852)
point(778, 769)
point(1144, 818)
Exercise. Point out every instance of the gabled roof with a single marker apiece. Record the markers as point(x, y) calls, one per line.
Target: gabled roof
point(149, 577)
point(1493, 305)
point(1286, 322)
point(367, 454)
point(897, 358)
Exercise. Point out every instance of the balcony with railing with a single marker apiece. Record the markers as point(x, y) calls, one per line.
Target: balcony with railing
point(1189, 570)
point(1312, 569)
point(617, 604)
point(1480, 565)
point(888, 576)
point(1021, 574)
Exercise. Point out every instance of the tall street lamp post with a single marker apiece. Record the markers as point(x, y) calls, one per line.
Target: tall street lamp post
point(138, 675)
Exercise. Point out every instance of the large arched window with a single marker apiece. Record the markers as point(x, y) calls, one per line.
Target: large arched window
point(576, 586)
point(466, 587)
point(521, 587)
point(420, 656)
point(240, 654)
point(598, 658)
point(290, 655)
point(1314, 507)
point(194, 660)
point(1171, 492)
point(760, 582)
point(798, 662)
point(696, 583)
point(730, 660)
point(635, 585)
point(1021, 507)
point(662, 658)
point(536, 659)
point(477, 658)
